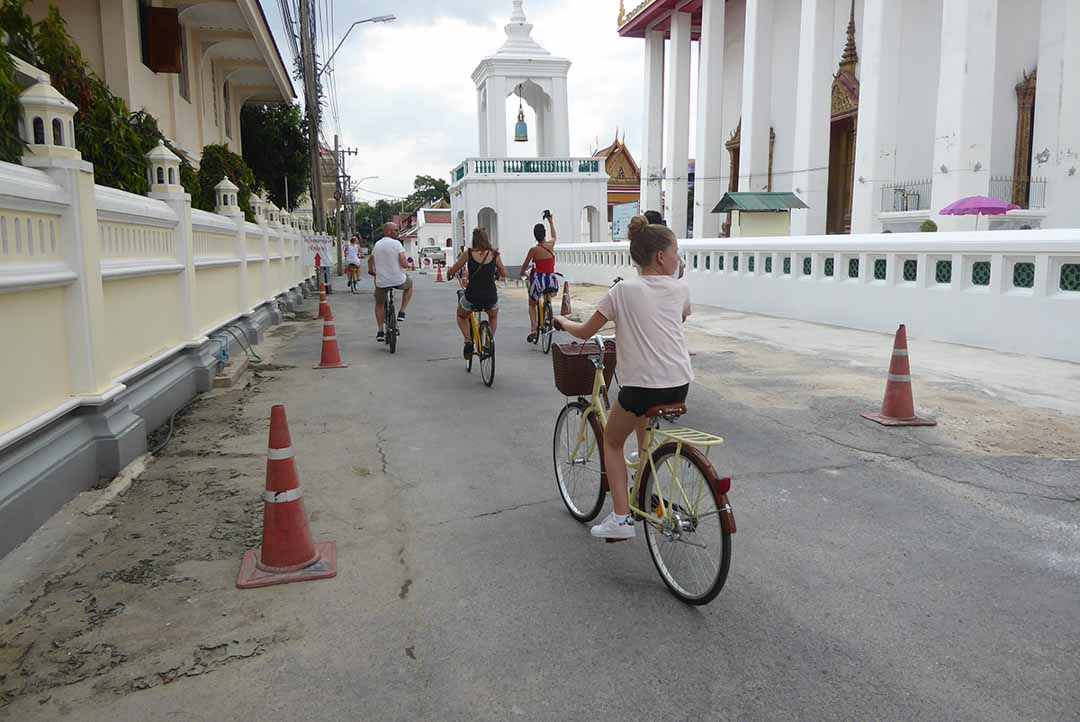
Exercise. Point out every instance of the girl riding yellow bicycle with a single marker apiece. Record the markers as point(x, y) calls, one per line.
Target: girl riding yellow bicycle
point(653, 357)
point(484, 265)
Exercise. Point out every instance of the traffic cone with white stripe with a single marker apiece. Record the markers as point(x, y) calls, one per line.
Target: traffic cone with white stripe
point(331, 356)
point(287, 553)
point(898, 408)
point(324, 305)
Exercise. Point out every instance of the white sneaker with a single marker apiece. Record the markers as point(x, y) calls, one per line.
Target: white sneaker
point(609, 528)
point(632, 459)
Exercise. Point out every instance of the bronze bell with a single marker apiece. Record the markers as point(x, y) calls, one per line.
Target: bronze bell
point(521, 129)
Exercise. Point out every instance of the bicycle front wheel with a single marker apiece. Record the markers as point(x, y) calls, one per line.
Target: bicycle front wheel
point(577, 456)
point(689, 545)
point(487, 354)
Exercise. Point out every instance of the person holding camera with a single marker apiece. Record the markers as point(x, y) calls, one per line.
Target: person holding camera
point(542, 281)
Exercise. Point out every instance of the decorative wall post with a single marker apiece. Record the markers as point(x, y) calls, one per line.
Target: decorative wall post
point(48, 129)
point(226, 204)
point(163, 170)
point(258, 205)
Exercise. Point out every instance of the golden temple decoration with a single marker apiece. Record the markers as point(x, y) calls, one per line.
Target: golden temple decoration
point(622, 12)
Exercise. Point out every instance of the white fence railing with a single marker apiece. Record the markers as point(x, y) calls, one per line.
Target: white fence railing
point(1013, 291)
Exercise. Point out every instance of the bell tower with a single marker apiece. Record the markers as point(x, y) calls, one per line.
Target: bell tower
point(521, 67)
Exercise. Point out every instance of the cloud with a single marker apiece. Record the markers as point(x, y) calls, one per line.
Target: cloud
point(407, 102)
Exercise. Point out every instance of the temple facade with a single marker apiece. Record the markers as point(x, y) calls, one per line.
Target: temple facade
point(876, 113)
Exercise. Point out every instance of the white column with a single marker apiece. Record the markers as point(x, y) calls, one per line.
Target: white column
point(542, 130)
point(965, 106)
point(481, 114)
point(496, 117)
point(677, 125)
point(875, 141)
point(1056, 156)
point(652, 151)
point(560, 119)
point(710, 132)
point(756, 97)
point(813, 115)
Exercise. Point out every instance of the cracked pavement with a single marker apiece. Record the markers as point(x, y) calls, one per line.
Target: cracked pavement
point(876, 574)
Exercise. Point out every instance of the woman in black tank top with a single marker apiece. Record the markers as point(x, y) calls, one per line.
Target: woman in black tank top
point(485, 265)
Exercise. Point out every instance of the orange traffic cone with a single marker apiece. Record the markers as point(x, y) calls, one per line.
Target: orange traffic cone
point(898, 408)
point(324, 305)
point(565, 309)
point(287, 553)
point(438, 275)
point(331, 355)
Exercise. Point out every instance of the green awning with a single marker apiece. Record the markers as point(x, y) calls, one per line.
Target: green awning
point(758, 202)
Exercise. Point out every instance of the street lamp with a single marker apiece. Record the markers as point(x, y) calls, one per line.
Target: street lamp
point(376, 19)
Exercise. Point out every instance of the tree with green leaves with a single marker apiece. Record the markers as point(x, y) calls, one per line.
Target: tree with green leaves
point(219, 162)
point(283, 128)
point(426, 191)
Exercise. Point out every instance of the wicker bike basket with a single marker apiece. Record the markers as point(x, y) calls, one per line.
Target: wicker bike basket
point(574, 369)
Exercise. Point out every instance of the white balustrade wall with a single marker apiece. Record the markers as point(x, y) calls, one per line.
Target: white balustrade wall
point(151, 308)
point(1012, 291)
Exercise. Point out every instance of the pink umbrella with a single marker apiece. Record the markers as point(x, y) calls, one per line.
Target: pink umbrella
point(978, 206)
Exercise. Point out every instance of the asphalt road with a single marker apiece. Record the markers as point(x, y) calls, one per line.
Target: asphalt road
point(870, 578)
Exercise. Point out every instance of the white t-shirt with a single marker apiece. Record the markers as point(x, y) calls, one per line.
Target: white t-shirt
point(388, 270)
point(649, 337)
point(352, 254)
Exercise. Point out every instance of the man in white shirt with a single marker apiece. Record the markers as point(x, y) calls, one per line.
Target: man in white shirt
point(387, 264)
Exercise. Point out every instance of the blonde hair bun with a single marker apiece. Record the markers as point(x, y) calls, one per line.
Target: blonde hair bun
point(637, 225)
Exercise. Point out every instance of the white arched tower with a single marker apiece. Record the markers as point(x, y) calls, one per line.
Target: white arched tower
point(521, 62)
point(505, 194)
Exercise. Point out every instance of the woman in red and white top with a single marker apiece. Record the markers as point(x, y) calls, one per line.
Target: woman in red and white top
point(650, 345)
point(542, 281)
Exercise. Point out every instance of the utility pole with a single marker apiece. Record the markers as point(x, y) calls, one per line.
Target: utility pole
point(311, 101)
point(339, 197)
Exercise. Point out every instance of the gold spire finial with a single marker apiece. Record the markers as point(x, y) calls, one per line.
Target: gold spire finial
point(622, 12)
point(851, 54)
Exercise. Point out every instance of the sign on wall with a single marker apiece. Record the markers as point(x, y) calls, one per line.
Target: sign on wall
point(620, 219)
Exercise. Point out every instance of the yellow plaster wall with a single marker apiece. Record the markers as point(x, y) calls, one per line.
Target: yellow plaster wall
point(215, 296)
point(256, 293)
point(277, 276)
point(34, 365)
point(142, 320)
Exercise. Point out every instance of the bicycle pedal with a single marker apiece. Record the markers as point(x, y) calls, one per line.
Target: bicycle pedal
point(615, 541)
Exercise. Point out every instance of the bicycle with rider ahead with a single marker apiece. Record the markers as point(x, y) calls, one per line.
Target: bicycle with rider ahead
point(484, 266)
point(543, 282)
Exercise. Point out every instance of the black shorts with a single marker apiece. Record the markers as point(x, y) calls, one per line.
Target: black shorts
point(637, 400)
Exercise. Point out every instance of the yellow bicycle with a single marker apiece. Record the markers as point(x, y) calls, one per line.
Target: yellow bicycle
point(677, 493)
point(483, 343)
point(545, 319)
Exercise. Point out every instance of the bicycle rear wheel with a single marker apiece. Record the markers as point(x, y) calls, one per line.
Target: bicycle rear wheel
point(391, 328)
point(577, 454)
point(547, 330)
point(469, 358)
point(487, 354)
point(689, 546)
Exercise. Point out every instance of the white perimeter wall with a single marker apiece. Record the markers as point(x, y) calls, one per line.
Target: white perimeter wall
point(1040, 320)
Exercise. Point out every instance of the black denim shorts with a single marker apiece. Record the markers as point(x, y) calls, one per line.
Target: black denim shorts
point(637, 400)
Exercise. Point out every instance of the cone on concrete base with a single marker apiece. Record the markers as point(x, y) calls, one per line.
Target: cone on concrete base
point(898, 407)
point(324, 305)
point(331, 355)
point(438, 275)
point(287, 553)
point(564, 309)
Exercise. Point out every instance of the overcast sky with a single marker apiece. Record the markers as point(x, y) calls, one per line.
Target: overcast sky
point(406, 99)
